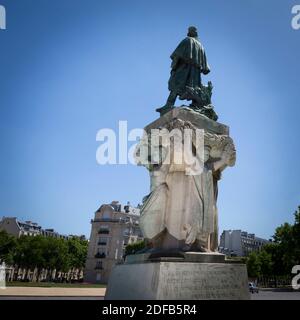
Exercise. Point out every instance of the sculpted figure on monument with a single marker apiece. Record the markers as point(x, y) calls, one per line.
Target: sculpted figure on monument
point(180, 213)
point(188, 62)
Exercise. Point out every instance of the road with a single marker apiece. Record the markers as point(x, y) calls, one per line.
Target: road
point(276, 295)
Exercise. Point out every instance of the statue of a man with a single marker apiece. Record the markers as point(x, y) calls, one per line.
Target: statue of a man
point(188, 62)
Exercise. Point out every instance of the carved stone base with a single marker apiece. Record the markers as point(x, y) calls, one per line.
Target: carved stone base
point(178, 281)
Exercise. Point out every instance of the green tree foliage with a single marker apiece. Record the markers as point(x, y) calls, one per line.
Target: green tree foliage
point(29, 252)
point(7, 247)
point(278, 257)
point(253, 265)
point(275, 252)
point(77, 249)
point(57, 255)
point(296, 236)
point(265, 263)
point(134, 247)
point(43, 252)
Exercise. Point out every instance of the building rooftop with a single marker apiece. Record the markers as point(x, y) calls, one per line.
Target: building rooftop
point(33, 227)
point(118, 207)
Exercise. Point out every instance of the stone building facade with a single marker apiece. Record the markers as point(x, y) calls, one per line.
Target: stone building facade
point(240, 243)
point(113, 227)
point(18, 228)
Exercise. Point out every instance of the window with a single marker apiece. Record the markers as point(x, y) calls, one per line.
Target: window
point(101, 253)
point(106, 215)
point(102, 241)
point(99, 265)
point(126, 232)
point(104, 230)
point(128, 219)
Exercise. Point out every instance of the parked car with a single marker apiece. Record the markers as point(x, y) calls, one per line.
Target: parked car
point(252, 287)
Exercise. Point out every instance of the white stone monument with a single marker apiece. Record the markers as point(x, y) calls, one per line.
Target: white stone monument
point(185, 153)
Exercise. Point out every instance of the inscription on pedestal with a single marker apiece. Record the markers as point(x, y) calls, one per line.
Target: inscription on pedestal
point(203, 281)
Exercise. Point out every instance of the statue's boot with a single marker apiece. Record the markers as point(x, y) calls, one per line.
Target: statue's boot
point(169, 105)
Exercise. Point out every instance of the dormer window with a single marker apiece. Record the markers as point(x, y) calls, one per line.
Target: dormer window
point(106, 215)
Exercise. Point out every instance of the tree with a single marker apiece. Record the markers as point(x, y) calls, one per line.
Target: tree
point(287, 237)
point(296, 236)
point(275, 252)
point(42, 253)
point(39, 252)
point(133, 248)
point(7, 247)
point(59, 248)
point(265, 263)
point(29, 252)
point(56, 255)
point(253, 265)
point(77, 250)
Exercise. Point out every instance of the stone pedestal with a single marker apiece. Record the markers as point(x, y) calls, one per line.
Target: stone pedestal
point(174, 278)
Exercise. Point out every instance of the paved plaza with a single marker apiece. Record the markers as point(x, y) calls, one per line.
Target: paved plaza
point(52, 292)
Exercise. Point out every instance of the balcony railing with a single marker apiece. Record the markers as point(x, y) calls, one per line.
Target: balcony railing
point(105, 220)
point(120, 220)
point(103, 232)
point(100, 255)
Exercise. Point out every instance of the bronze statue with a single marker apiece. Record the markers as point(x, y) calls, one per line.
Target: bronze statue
point(188, 62)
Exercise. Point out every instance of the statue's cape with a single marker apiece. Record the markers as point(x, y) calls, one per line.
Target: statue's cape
point(192, 52)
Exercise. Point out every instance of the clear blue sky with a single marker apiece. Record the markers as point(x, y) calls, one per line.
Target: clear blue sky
point(71, 67)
